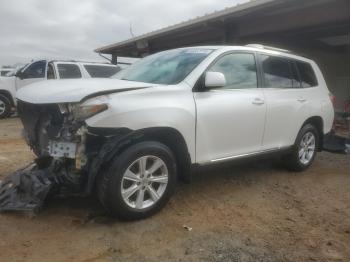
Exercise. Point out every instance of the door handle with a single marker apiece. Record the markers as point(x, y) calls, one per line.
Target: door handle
point(302, 99)
point(258, 101)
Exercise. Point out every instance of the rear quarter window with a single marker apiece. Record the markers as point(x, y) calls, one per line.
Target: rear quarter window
point(101, 71)
point(68, 71)
point(307, 74)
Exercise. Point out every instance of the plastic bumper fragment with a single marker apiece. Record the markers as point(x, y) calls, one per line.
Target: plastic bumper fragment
point(25, 190)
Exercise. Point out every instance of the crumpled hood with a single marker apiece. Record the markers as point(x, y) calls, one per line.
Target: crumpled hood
point(74, 90)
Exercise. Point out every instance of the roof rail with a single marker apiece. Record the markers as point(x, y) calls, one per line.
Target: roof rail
point(268, 48)
point(78, 61)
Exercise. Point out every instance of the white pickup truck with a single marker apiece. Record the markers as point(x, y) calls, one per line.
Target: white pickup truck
point(40, 70)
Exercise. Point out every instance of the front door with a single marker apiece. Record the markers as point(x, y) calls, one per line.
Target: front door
point(230, 119)
point(33, 73)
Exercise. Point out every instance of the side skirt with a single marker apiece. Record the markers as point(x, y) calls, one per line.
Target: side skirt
point(270, 153)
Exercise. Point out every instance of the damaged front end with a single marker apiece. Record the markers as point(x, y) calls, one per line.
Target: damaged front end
point(65, 149)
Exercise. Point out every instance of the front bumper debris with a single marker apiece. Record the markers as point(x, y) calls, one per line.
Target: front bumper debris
point(59, 141)
point(25, 190)
point(28, 188)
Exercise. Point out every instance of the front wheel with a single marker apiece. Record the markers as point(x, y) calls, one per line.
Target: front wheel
point(304, 150)
point(139, 182)
point(5, 106)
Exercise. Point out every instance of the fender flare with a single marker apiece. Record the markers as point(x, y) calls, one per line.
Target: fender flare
point(118, 144)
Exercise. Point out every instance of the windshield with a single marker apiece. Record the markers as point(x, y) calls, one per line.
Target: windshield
point(168, 67)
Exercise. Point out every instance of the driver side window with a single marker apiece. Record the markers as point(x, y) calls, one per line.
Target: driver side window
point(239, 70)
point(35, 70)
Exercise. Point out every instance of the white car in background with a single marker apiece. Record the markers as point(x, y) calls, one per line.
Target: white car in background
point(45, 70)
point(130, 138)
point(4, 71)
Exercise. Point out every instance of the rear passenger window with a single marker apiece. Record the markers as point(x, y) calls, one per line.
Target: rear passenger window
point(307, 74)
point(101, 71)
point(277, 72)
point(295, 75)
point(68, 71)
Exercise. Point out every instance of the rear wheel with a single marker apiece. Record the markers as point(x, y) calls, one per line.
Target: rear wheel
point(139, 182)
point(5, 106)
point(304, 150)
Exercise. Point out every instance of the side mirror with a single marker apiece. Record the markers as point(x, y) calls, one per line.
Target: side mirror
point(214, 79)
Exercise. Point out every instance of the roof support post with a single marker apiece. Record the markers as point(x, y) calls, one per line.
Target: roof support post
point(143, 48)
point(230, 34)
point(114, 59)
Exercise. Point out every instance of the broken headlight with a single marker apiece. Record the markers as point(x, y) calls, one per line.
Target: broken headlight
point(84, 111)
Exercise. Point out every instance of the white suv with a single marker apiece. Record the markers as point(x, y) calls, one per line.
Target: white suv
point(133, 136)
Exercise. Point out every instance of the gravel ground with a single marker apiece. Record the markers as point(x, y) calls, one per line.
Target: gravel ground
point(249, 212)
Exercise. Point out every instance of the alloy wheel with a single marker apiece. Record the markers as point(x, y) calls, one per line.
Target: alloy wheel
point(307, 148)
point(2, 107)
point(144, 182)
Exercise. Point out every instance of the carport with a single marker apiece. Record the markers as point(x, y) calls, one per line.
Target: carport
point(319, 29)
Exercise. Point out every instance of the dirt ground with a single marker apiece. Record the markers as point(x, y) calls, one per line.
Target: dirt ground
point(248, 212)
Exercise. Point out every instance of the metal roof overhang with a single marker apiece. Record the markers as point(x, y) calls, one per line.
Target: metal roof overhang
point(321, 21)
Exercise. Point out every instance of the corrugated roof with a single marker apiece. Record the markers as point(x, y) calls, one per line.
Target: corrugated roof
point(217, 14)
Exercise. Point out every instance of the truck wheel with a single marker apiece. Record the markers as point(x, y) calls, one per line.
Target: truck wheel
point(304, 150)
point(5, 106)
point(139, 181)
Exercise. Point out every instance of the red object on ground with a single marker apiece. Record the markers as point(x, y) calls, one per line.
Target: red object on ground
point(346, 106)
point(332, 98)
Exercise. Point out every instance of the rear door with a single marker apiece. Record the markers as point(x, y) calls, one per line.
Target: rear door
point(230, 119)
point(287, 104)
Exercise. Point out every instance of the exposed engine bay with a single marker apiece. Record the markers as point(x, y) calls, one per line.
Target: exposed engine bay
point(69, 155)
point(53, 131)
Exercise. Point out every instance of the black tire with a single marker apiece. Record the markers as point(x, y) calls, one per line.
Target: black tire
point(292, 160)
point(109, 182)
point(7, 106)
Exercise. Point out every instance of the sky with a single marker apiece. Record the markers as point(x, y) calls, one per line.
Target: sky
point(72, 29)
